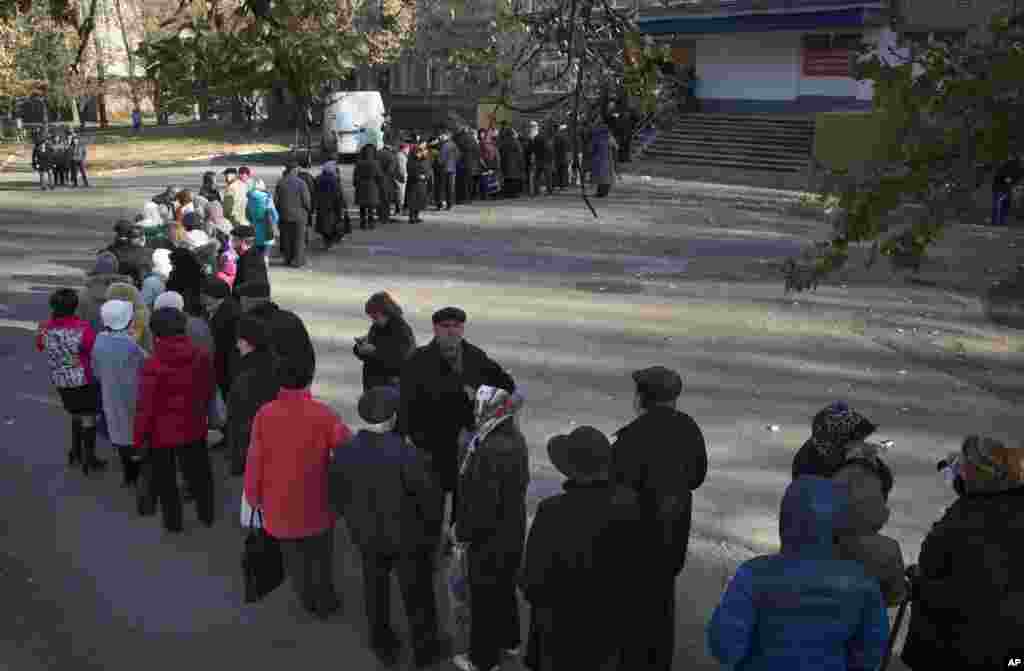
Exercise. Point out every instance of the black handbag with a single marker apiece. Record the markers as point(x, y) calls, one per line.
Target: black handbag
point(262, 562)
point(145, 497)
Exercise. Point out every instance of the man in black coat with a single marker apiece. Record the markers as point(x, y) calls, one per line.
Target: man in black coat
point(256, 383)
point(563, 151)
point(543, 150)
point(439, 384)
point(290, 339)
point(657, 461)
point(578, 561)
point(133, 257)
point(252, 265)
point(294, 203)
point(389, 171)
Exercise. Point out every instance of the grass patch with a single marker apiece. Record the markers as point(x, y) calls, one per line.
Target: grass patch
point(123, 148)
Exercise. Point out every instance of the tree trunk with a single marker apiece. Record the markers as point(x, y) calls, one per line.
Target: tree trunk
point(101, 77)
point(238, 112)
point(76, 116)
point(132, 83)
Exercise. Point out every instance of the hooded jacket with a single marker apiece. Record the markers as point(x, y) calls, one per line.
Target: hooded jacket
point(802, 609)
point(968, 612)
point(175, 389)
point(140, 314)
point(259, 206)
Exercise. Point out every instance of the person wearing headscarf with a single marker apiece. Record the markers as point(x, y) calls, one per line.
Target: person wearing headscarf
point(838, 449)
point(388, 345)
point(332, 218)
point(968, 595)
point(133, 258)
point(493, 478)
point(140, 313)
point(94, 295)
point(186, 278)
point(155, 283)
point(262, 214)
point(196, 328)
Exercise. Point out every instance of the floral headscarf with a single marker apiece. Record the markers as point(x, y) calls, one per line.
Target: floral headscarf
point(988, 466)
point(492, 407)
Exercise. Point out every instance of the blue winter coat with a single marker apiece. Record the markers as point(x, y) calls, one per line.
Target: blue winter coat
point(801, 609)
point(256, 208)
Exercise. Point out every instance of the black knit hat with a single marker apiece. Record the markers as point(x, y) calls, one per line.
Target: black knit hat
point(449, 314)
point(167, 322)
point(254, 290)
point(378, 405)
point(214, 287)
point(244, 232)
point(255, 331)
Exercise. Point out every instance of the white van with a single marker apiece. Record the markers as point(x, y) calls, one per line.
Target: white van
point(353, 119)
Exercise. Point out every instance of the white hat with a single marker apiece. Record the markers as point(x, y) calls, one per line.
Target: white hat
point(162, 262)
point(259, 185)
point(224, 226)
point(169, 299)
point(196, 239)
point(117, 315)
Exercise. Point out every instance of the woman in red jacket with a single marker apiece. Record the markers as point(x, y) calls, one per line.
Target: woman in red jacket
point(175, 388)
point(286, 477)
point(67, 341)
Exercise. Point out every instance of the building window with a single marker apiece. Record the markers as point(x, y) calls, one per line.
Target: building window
point(829, 55)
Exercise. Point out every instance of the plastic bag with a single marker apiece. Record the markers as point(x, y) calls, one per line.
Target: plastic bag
point(246, 515)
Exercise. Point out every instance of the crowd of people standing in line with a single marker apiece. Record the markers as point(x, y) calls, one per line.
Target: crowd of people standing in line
point(161, 345)
point(60, 158)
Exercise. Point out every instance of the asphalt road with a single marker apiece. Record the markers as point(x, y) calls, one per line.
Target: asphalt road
point(683, 276)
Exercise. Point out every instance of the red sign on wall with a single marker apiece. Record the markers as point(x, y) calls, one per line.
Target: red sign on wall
point(834, 62)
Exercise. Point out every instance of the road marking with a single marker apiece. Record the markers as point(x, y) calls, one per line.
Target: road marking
point(45, 400)
point(19, 324)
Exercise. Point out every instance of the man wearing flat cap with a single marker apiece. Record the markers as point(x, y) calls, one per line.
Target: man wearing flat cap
point(439, 384)
point(658, 459)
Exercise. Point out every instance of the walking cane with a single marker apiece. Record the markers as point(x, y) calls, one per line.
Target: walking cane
point(911, 574)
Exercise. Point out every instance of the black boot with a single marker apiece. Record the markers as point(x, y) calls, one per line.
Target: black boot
point(89, 460)
point(75, 455)
point(129, 467)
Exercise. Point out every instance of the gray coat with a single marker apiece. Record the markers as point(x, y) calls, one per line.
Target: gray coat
point(293, 199)
point(116, 362)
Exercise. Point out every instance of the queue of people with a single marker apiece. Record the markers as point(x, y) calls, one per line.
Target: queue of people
point(156, 350)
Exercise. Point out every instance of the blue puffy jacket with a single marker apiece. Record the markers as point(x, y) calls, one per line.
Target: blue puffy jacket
point(802, 609)
point(257, 205)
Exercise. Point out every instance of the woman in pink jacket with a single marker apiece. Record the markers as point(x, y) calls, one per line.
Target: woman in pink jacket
point(67, 341)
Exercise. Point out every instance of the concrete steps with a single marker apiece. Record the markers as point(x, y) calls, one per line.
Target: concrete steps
point(757, 142)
